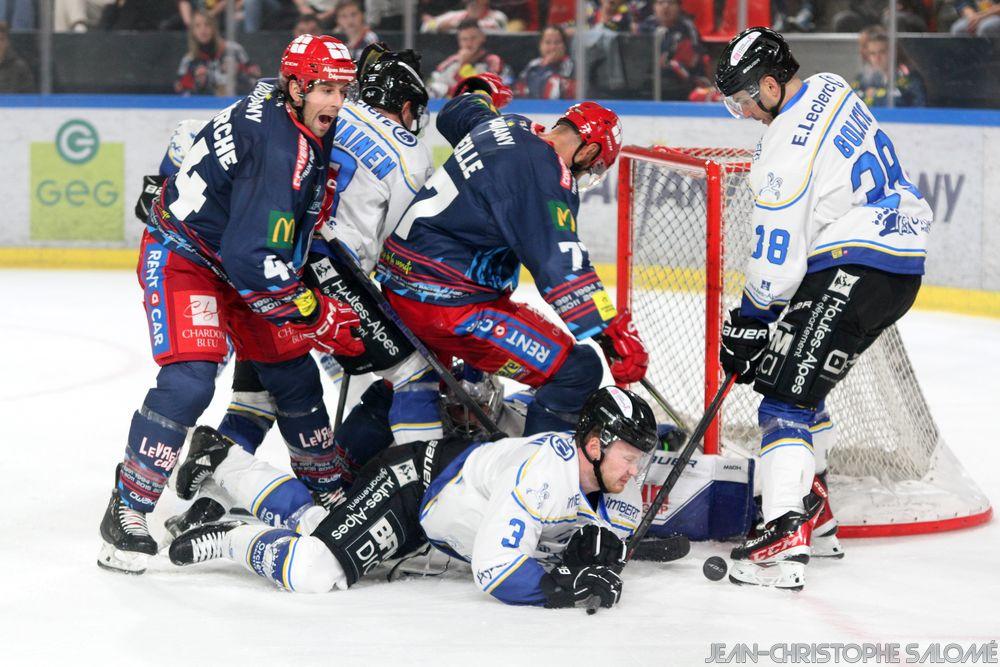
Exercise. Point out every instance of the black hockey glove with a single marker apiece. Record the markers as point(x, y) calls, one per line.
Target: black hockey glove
point(568, 587)
point(594, 545)
point(744, 339)
point(152, 185)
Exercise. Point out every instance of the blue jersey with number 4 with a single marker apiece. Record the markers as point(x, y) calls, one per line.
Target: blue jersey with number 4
point(504, 198)
point(246, 199)
point(830, 189)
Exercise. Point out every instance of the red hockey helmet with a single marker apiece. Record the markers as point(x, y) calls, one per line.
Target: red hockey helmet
point(597, 125)
point(310, 58)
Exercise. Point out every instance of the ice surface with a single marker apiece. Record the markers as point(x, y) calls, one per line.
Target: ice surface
point(76, 365)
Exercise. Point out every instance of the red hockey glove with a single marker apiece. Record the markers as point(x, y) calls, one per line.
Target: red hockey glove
point(627, 358)
point(488, 82)
point(332, 330)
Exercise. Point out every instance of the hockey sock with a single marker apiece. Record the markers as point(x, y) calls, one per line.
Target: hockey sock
point(414, 413)
point(249, 417)
point(365, 431)
point(274, 497)
point(558, 402)
point(304, 422)
point(153, 445)
point(824, 436)
point(295, 563)
point(787, 465)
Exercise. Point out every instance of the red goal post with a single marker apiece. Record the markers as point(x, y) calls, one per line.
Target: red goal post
point(684, 234)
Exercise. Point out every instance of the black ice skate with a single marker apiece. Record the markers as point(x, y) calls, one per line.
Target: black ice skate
point(202, 544)
point(127, 542)
point(208, 450)
point(203, 510)
point(777, 556)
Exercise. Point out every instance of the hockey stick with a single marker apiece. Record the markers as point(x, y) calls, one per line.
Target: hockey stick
point(345, 384)
point(593, 602)
point(446, 376)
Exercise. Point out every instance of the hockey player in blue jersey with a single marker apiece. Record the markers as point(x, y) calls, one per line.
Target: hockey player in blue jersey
point(509, 196)
point(841, 241)
point(222, 256)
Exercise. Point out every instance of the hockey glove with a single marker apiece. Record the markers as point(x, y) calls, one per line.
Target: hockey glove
point(152, 185)
point(594, 545)
point(332, 330)
point(744, 340)
point(568, 587)
point(627, 357)
point(489, 83)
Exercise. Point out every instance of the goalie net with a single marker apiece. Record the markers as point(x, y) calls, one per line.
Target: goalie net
point(684, 234)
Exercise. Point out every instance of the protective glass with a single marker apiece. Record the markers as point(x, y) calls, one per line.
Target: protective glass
point(739, 103)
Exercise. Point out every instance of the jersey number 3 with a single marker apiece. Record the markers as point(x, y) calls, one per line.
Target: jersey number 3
point(514, 541)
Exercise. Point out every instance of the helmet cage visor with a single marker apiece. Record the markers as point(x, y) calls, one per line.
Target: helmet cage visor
point(739, 102)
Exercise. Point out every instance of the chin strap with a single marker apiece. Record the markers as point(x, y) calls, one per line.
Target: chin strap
point(776, 109)
point(597, 469)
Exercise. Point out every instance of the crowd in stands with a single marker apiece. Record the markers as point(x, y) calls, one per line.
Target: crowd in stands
point(680, 29)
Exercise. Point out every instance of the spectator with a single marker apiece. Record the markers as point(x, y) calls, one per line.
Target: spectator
point(981, 18)
point(611, 15)
point(134, 14)
point(77, 15)
point(15, 75)
point(475, 10)
point(307, 24)
point(203, 69)
point(471, 59)
point(685, 67)
point(187, 8)
point(550, 76)
point(911, 16)
point(351, 23)
point(18, 15)
point(794, 15)
point(872, 83)
point(522, 15)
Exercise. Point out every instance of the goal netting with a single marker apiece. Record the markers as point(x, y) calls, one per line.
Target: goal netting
point(684, 234)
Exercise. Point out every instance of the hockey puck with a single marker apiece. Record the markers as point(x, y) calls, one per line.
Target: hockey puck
point(715, 568)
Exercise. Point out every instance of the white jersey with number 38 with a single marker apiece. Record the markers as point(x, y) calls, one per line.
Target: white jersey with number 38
point(829, 189)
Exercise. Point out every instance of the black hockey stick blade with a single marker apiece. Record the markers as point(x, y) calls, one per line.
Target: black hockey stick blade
point(662, 549)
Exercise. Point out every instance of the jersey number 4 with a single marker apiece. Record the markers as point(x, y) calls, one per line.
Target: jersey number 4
point(190, 185)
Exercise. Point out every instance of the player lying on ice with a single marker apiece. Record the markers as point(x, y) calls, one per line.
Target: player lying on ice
point(841, 238)
point(541, 519)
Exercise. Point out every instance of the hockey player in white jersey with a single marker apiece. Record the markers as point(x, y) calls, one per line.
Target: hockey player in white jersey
point(541, 519)
point(840, 241)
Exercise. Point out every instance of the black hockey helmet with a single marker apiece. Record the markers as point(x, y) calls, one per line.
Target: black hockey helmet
point(616, 414)
point(750, 56)
point(389, 79)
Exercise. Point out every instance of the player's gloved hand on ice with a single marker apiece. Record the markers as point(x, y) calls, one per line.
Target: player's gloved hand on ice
point(489, 83)
point(627, 357)
point(332, 330)
point(152, 185)
point(744, 340)
point(567, 586)
point(594, 545)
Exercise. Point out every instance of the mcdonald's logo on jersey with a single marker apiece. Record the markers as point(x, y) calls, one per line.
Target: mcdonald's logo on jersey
point(562, 217)
point(280, 230)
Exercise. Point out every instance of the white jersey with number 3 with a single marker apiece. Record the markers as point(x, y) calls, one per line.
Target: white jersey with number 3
point(511, 507)
point(381, 167)
point(829, 189)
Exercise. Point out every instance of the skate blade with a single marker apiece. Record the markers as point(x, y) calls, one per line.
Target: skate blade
point(784, 574)
point(827, 547)
point(126, 562)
